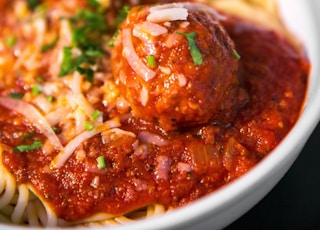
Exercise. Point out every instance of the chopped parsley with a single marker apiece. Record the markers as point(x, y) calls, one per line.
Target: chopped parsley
point(27, 136)
point(16, 95)
point(95, 115)
point(236, 54)
point(87, 72)
point(194, 50)
point(122, 15)
point(88, 28)
point(10, 41)
point(93, 3)
point(101, 163)
point(88, 25)
point(50, 98)
point(40, 79)
point(88, 126)
point(67, 65)
point(113, 39)
point(36, 89)
point(50, 45)
point(24, 148)
point(56, 130)
point(33, 4)
point(151, 61)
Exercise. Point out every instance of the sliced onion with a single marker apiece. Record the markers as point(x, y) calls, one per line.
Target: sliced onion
point(152, 138)
point(163, 167)
point(34, 116)
point(132, 58)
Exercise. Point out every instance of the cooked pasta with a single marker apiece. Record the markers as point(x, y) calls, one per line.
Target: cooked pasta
point(111, 113)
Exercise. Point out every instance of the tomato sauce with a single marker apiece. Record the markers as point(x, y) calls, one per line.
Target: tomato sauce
point(194, 162)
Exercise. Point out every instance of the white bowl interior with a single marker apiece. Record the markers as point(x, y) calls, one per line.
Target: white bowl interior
point(230, 202)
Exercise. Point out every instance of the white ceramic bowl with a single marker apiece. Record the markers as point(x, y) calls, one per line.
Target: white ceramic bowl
point(230, 202)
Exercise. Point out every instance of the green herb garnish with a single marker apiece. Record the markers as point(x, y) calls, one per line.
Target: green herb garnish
point(67, 65)
point(50, 98)
point(236, 54)
point(40, 79)
point(94, 53)
point(24, 148)
point(101, 163)
point(16, 95)
point(27, 136)
point(56, 130)
point(32, 4)
point(151, 61)
point(10, 41)
point(194, 50)
point(93, 3)
point(70, 63)
point(50, 45)
point(87, 72)
point(36, 89)
point(123, 13)
point(95, 115)
point(113, 39)
point(88, 28)
point(88, 126)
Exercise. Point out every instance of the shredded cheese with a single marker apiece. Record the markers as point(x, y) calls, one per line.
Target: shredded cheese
point(132, 58)
point(150, 28)
point(169, 14)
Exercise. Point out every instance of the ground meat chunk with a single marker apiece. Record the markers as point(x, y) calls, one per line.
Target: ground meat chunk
point(176, 65)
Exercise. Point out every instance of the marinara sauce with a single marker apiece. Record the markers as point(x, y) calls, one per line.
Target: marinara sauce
point(194, 162)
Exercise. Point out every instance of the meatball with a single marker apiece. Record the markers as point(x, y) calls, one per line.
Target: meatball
point(176, 65)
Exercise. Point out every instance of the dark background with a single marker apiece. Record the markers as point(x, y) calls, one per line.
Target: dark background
point(294, 204)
